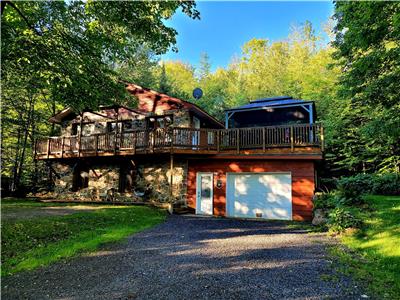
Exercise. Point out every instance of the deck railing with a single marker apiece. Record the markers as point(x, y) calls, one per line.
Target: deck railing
point(190, 139)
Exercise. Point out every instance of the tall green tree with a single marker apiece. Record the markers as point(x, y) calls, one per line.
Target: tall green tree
point(72, 53)
point(368, 48)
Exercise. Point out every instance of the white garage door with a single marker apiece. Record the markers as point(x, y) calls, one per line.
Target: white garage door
point(259, 195)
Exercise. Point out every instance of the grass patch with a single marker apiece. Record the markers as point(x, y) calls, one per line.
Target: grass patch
point(11, 203)
point(373, 252)
point(31, 243)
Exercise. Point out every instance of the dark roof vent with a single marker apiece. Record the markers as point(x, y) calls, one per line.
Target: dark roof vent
point(271, 99)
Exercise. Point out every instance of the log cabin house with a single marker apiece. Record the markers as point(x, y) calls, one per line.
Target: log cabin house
point(260, 164)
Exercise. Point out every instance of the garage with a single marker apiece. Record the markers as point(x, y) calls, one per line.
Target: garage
point(259, 195)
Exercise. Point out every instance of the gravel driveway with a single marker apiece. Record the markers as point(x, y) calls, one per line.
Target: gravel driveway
point(190, 257)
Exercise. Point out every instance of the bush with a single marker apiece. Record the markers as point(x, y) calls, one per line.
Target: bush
point(328, 200)
point(355, 186)
point(343, 217)
point(386, 184)
point(344, 204)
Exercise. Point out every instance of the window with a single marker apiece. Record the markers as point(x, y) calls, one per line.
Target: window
point(128, 125)
point(74, 129)
point(159, 122)
point(111, 127)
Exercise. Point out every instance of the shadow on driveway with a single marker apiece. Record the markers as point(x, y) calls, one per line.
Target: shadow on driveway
point(189, 257)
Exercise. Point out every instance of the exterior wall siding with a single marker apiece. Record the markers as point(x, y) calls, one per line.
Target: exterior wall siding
point(302, 181)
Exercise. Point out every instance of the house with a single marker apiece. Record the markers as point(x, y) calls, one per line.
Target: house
point(261, 164)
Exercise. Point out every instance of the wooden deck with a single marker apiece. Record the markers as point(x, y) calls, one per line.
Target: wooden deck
point(277, 140)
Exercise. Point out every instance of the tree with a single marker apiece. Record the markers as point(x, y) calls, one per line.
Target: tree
point(204, 67)
point(368, 49)
point(164, 86)
point(72, 53)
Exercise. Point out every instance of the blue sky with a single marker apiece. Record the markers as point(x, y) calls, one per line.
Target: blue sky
point(225, 26)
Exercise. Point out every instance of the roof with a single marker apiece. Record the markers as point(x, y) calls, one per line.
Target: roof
point(140, 91)
point(58, 117)
point(273, 101)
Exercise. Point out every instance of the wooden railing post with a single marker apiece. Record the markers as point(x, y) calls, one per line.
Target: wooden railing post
point(153, 139)
point(96, 145)
point(322, 139)
point(218, 140)
point(291, 138)
point(62, 146)
point(115, 141)
point(48, 147)
point(263, 138)
point(134, 141)
point(172, 139)
point(237, 141)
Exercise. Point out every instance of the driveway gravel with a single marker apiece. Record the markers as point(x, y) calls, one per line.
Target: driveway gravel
point(190, 257)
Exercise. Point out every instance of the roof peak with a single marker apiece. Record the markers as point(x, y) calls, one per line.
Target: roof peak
point(271, 99)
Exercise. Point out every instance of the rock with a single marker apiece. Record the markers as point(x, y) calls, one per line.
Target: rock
point(319, 217)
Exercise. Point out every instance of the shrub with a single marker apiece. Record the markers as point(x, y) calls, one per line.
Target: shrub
point(328, 200)
point(343, 217)
point(386, 184)
point(352, 188)
point(355, 186)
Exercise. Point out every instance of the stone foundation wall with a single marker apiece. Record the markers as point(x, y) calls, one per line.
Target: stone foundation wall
point(63, 182)
point(152, 178)
point(155, 177)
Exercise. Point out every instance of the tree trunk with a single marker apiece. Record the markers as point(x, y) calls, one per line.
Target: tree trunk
point(25, 142)
point(15, 167)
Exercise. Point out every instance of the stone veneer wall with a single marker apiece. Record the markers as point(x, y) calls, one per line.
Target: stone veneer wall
point(152, 177)
point(155, 177)
point(181, 118)
point(102, 178)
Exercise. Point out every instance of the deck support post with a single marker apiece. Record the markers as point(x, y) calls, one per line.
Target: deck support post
point(116, 130)
point(171, 175)
point(48, 148)
point(36, 145)
point(80, 135)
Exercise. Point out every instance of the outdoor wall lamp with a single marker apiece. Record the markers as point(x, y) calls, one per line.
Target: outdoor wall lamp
point(219, 183)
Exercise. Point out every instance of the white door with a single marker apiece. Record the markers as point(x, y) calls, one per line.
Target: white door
point(196, 134)
point(204, 194)
point(259, 195)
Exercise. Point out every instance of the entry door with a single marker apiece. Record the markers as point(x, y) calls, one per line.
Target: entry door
point(196, 134)
point(204, 194)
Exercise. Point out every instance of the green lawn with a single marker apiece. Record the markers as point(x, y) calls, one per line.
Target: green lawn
point(30, 243)
point(374, 255)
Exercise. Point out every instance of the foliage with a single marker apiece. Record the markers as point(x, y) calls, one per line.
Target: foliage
point(346, 204)
point(374, 256)
point(343, 217)
point(360, 184)
point(299, 66)
point(30, 243)
point(72, 53)
point(328, 200)
point(367, 47)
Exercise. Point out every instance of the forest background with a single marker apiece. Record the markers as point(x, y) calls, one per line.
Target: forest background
point(77, 53)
